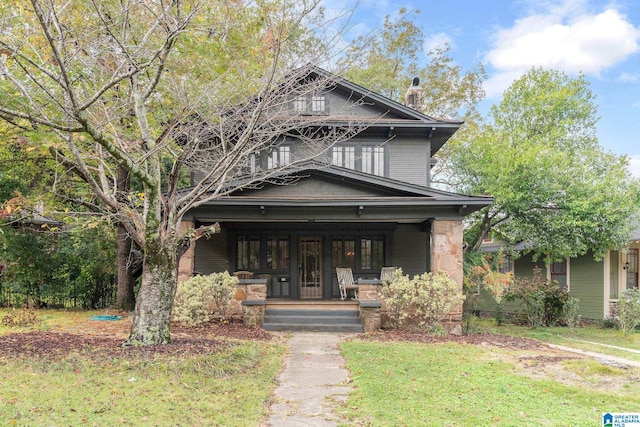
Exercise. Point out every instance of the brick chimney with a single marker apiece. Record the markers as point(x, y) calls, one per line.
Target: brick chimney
point(413, 97)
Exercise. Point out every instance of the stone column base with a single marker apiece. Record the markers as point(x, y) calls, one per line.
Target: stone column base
point(253, 312)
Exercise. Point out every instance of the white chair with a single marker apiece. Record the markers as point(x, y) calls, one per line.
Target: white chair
point(346, 283)
point(386, 274)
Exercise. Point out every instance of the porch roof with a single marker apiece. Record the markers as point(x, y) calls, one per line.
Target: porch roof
point(331, 194)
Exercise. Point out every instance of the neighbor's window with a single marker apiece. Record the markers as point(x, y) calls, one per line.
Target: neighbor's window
point(279, 156)
point(372, 253)
point(343, 252)
point(373, 160)
point(505, 265)
point(559, 273)
point(248, 252)
point(344, 157)
point(278, 253)
point(632, 269)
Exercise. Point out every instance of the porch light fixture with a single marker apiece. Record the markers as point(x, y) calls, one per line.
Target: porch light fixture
point(263, 211)
point(360, 210)
point(625, 266)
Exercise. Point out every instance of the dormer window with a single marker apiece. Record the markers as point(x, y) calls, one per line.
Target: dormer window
point(318, 104)
point(310, 104)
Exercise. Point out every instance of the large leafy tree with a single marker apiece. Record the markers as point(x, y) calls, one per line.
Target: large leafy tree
point(387, 61)
point(555, 188)
point(158, 88)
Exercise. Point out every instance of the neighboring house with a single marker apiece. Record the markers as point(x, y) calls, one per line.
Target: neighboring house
point(364, 204)
point(597, 284)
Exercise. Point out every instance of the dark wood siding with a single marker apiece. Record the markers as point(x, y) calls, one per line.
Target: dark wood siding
point(410, 249)
point(211, 255)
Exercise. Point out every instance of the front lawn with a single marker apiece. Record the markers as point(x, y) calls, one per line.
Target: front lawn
point(69, 370)
point(453, 384)
point(585, 338)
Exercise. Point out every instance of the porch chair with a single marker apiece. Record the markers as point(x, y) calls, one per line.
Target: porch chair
point(386, 274)
point(346, 282)
point(243, 274)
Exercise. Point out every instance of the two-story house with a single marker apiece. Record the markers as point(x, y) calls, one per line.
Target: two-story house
point(364, 204)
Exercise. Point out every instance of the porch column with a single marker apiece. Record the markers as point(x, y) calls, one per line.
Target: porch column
point(186, 263)
point(447, 256)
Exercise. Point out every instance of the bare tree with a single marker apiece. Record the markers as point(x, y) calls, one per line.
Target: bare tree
point(159, 89)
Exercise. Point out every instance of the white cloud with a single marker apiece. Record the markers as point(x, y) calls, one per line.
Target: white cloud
point(634, 164)
point(437, 41)
point(561, 38)
point(629, 77)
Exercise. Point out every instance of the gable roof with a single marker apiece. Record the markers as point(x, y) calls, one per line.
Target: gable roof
point(393, 114)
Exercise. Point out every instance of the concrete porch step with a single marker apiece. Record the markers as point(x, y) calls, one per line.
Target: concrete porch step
point(312, 319)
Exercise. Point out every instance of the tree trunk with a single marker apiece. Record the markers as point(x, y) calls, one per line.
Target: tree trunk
point(125, 298)
point(152, 315)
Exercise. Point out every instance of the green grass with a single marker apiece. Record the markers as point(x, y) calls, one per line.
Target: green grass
point(573, 338)
point(57, 319)
point(400, 384)
point(230, 388)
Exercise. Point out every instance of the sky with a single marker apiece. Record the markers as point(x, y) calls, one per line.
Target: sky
point(598, 38)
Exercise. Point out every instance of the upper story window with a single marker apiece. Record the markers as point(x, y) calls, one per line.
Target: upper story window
point(344, 157)
point(373, 160)
point(250, 166)
point(279, 156)
point(310, 104)
point(318, 104)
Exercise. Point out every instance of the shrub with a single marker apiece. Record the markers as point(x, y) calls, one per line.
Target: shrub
point(397, 296)
point(628, 309)
point(570, 315)
point(429, 297)
point(543, 301)
point(192, 296)
point(483, 278)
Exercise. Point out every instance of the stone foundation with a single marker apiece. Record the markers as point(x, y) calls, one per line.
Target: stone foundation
point(247, 290)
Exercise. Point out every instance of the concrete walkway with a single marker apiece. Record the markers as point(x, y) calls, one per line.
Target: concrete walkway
point(312, 383)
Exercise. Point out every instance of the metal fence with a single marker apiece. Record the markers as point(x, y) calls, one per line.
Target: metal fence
point(45, 296)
